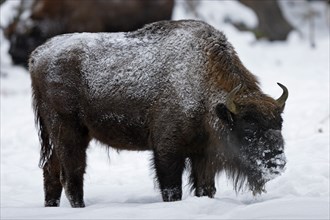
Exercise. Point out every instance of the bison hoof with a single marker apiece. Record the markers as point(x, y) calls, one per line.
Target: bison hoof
point(52, 203)
point(171, 195)
point(79, 204)
point(205, 191)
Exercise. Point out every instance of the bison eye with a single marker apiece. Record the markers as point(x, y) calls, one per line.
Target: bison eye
point(249, 126)
point(249, 132)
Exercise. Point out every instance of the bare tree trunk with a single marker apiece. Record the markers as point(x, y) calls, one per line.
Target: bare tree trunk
point(272, 24)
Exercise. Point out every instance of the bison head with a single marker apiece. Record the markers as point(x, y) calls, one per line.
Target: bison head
point(255, 144)
point(24, 37)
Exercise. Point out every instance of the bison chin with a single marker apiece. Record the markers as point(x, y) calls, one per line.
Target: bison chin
point(254, 173)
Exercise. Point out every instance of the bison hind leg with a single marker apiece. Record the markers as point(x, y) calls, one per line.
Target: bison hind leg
point(52, 184)
point(70, 147)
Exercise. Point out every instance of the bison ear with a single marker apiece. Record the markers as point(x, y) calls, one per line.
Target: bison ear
point(224, 114)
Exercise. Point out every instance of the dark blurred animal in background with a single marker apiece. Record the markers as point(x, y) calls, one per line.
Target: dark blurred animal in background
point(48, 18)
point(176, 88)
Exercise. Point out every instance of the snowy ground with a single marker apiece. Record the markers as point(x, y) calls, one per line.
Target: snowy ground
point(123, 187)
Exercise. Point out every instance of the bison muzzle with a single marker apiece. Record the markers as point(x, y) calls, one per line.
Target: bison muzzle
point(176, 88)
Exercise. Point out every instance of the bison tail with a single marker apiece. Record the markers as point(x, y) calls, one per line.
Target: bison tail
point(44, 138)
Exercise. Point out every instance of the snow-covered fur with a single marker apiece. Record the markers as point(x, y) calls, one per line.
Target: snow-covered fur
point(166, 88)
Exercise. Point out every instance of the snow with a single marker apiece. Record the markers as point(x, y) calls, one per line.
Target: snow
point(8, 12)
point(122, 185)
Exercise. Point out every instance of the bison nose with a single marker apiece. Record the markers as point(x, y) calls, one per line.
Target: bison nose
point(272, 154)
point(275, 160)
point(271, 164)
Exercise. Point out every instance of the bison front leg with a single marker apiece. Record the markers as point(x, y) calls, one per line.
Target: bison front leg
point(71, 150)
point(52, 184)
point(169, 167)
point(202, 176)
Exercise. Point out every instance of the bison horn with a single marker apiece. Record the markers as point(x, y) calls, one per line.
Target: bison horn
point(281, 100)
point(230, 104)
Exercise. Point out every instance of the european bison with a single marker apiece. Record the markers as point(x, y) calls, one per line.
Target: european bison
point(177, 88)
point(53, 17)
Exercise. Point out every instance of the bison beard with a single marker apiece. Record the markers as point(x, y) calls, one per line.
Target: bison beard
point(176, 88)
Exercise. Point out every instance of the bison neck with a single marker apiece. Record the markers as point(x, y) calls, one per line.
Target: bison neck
point(226, 72)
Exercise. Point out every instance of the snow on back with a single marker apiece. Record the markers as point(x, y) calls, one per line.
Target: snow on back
point(139, 66)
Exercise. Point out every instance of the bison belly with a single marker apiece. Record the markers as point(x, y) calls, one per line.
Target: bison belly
point(117, 128)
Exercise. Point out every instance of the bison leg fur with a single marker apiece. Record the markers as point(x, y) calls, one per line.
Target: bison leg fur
point(52, 184)
point(202, 176)
point(71, 150)
point(169, 168)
